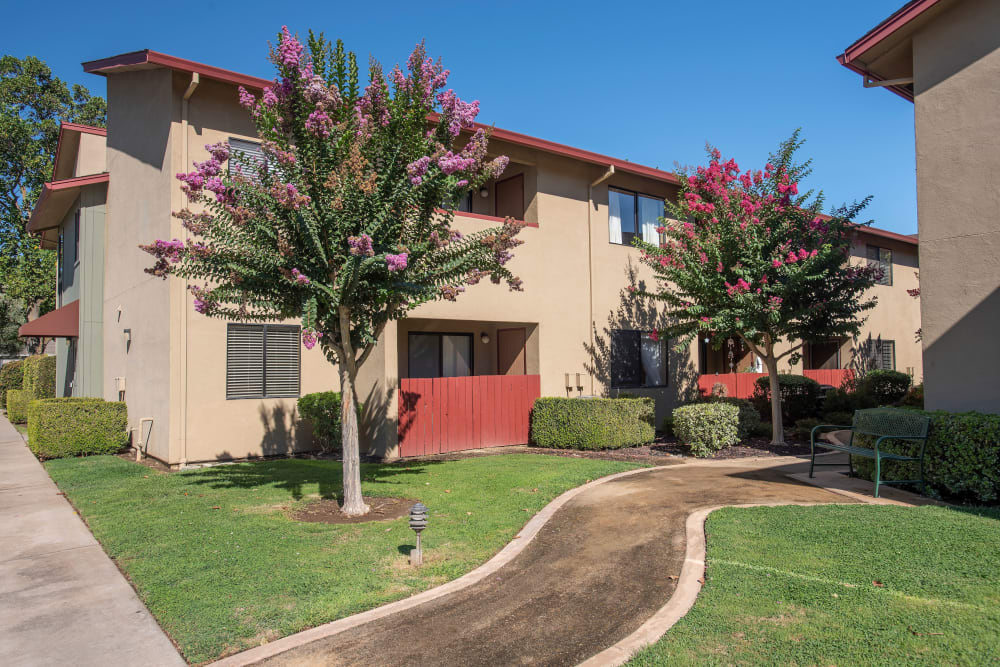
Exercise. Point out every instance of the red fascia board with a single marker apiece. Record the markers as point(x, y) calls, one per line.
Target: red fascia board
point(146, 57)
point(896, 21)
point(909, 239)
point(85, 129)
point(56, 186)
point(902, 91)
point(483, 216)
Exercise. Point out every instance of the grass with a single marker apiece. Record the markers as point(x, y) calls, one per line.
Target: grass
point(795, 586)
point(216, 558)
point(22, 429)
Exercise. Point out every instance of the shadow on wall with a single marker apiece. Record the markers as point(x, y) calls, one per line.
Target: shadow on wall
point(284, 431)
point(961, 366)
point(635, 312)
point(378, 419)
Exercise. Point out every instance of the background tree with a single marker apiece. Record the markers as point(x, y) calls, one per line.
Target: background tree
point(32, 104)
point(746, 255)
point(347, 223)
point(12, 316)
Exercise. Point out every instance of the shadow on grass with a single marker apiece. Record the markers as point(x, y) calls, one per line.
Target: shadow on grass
point(293, 475)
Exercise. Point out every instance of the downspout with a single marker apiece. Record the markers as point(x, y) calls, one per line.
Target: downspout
point(590, 257)
point(185, 108)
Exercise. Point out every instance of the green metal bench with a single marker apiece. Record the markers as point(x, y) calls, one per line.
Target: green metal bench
point(880, 424)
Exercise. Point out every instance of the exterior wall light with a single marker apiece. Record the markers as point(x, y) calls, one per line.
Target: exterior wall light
point(484, 192)
point(418, 521)
point(485, 338)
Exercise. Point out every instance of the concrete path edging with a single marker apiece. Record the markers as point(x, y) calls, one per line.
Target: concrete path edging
point(504, 556)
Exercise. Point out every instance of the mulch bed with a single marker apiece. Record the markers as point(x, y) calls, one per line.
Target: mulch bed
point(328, 511)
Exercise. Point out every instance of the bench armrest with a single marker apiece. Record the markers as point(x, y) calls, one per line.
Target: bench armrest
point(922, 438)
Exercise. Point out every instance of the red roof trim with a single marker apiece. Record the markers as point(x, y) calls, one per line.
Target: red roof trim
point(64, 184)
point(886, 28)
point(60, 323)
point(146, 57)
point(85, 129)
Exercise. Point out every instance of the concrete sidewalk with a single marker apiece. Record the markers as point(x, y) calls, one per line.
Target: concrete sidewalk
point(62, 600)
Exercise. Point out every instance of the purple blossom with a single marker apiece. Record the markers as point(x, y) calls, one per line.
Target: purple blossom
point(450, 162)
point(310, 338)
point(361, 246)
point(462, 183)
point(269, 98)
point(246, 99)
point(289, 49)
point(396, 262)
point(219, 151)
point(458, 114)
point(300, 277)
point(319, 123)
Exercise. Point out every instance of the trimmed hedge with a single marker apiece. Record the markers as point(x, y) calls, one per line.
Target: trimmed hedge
point(40, 376)
point(322, 410)
point(886, 387)
point(11, 377)
point(962, 460)
point(59, 427)
point(707, 427)
point(799, 397)
point(749, 415)
point(17, 405)
point(592, 423)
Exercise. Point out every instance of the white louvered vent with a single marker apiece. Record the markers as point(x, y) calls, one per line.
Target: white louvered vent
point(247, 156)
point(245, 361)
point(282, 365)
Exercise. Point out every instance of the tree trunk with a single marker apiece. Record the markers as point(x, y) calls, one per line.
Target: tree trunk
point(778, 430)
point(354, 504)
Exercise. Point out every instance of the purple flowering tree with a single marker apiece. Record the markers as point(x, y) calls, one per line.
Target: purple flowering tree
point(346, 224)
point(744, 254)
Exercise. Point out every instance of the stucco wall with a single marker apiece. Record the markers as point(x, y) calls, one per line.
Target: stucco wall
point(140, 107)
point(956, 64)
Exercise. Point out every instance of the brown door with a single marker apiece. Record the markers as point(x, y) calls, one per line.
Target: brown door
point(510, 197)
point(510, 352)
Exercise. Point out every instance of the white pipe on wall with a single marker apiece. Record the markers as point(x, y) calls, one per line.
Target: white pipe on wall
point(590, 258)
point(185, 109)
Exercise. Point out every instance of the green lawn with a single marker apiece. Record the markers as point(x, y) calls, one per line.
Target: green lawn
point(22, 429)
point(794, 586)
point(222, 567)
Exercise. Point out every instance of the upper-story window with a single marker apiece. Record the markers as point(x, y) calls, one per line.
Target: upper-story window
point(631, 214)
point(246, 156)
point(882, 258)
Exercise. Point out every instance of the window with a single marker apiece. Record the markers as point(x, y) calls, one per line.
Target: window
point(465, 203)
point(637, 360)
point(882, 258)
point(435, 355)
point(882, 354)
point(631, 214)
point(262, 361)
point(246, 156)
point(822, 355)
point(76, 238)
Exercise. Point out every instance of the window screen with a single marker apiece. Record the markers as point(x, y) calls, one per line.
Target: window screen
point(887, 356)
point(262, 361)
point(882, 258)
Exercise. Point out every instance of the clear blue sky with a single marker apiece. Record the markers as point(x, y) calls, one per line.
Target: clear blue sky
point(650, 82)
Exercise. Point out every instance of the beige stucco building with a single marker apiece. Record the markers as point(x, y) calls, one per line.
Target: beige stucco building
point(203, 389)
point(944, 57)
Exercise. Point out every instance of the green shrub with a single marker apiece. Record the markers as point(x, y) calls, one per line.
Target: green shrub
point(914, 397)
point(322, 410)
point(749, 414)
point(803, 428)
point(17, 405)
point(40, 376)
point(799, 397)
point(885, 387)
point(592, 423)
point(838, 418)
point(962, 460)
point(59, 427)
point(707, 427)
point(763, 430)
point(11, 377)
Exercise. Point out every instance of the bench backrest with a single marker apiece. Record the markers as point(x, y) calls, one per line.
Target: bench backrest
point(890, 421)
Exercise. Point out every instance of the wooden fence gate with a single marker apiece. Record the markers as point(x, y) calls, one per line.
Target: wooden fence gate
point(438, 415)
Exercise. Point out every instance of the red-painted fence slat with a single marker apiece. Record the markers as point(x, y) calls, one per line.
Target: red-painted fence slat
point(743, 385)
point(438, 415)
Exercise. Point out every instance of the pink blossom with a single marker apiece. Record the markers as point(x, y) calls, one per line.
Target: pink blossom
point(706, 319)
point(319, 123)
point(703, 258)
point(246, 99)
point(396, 262)
point(310, 338)
point(792, 257)
point(300, 277)
point(719, 267)
point(289, 49)
point(361, 246)
point(654, 335)
point(803, 253)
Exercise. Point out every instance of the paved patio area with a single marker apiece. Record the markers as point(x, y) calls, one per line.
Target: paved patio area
point(62, 600)
point(603, 565)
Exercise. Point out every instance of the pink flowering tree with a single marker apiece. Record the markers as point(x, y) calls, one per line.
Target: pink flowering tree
point(346, 223)
point(742, 253)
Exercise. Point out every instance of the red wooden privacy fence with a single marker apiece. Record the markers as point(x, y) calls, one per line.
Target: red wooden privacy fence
point(439, 415)
point(742, 385)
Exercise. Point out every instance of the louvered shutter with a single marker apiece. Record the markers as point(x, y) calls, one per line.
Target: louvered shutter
point(282, 363)
point(245, 361)
point(888, 360)
point(247, 156)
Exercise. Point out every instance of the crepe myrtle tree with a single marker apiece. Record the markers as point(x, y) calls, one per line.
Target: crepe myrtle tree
point(744, 254)
point(346, 224)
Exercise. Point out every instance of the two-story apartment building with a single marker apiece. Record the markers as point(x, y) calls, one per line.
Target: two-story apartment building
point(203, 389)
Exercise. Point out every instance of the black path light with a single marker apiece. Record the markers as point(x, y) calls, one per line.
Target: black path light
point(418, 521)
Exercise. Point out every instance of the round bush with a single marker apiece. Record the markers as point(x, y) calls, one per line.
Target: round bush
point(40, 376)
point(707, 427)
point(59, 427)
point(749, 414)
point(886, 387)
point(799, 396)
point(322, 410)
point(11, 377)
point(17, 405)
point(592, 423)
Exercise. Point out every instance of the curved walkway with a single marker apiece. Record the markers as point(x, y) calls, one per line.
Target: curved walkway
point(602, 566)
